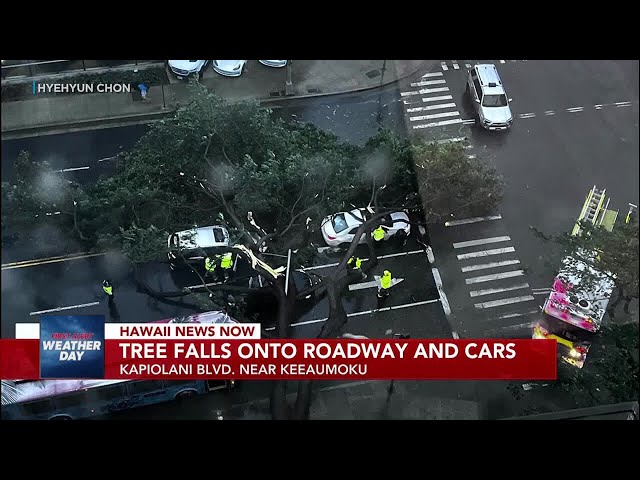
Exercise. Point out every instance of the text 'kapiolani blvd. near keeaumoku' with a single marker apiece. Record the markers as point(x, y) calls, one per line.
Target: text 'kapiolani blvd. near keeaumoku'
point(81, 207)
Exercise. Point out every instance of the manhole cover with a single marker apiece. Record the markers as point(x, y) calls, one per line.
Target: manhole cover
point(373, 73)
point(313, 90)
point(275, 94)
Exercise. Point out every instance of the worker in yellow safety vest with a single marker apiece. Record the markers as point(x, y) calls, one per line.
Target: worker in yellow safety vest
point(378, 233)
point(210, 265)
point(355, 266)
point(107, 287)
point(226, 263)
point(385, 284)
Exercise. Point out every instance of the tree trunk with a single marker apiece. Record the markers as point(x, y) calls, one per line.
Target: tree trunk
point(627, 301)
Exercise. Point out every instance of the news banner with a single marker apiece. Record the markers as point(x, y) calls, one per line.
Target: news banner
point(78, 347)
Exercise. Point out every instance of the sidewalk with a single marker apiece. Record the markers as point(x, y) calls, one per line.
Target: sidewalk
point(309, 78)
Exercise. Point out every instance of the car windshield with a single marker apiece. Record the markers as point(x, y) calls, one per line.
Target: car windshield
point(494, 101)
point(339, 223)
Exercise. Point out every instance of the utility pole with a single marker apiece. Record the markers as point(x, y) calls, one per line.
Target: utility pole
point(289, 84)
point(286, 281)
point(379, 116)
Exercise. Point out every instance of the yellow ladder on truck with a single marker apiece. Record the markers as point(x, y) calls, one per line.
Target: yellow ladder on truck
point(596, 212)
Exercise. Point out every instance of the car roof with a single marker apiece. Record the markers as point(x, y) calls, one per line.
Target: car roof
point(202, 237)
point(489, 79)
point(348, 216)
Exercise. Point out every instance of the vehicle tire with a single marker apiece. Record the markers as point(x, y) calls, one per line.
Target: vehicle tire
point(185, 394)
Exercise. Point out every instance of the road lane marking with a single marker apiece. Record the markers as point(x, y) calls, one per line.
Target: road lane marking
point(72, 169)
point(443, 297)
point(472, 268)
point(485, 253)
point(465, 221)
point(433, 74)
point(431, 107)
point(514, 315)
point(494, 276)
point(469, 121)
point(623, 104)
point(467, 65)
point(434, 115)
point(373, 283)
point(504, 301)
point(549, 112)
point(366, 312)
point(438, 98)
point(481, 241)
point(526, 115)
point(575, 109)
point(426, 83)
point(501, 61)
point(391, 255)
point(438, 124)
point(106, 159)
point(424, 91)
point(491, 291)
point(541, 291)
point(455, 65)
point(59, 309)
point(44, 261)
point(444, 66)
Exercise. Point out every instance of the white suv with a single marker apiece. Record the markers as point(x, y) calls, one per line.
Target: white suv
point(488, 97)
point(185, 68)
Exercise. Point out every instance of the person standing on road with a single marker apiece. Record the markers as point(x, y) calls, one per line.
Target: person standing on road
point(355, 267)
point(385, 285)
point(378, 234)
point(226, 263)
point(210, 265)
point(107, 287)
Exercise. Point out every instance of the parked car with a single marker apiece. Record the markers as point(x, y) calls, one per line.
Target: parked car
point(186, 68)
point(229, 68)
point(341, 227)
point(196, 244)
point(274, 63)
point(489, 98)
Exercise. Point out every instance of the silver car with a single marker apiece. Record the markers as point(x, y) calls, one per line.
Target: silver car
point(229, 68)
point(194, 245)
point(489, 98)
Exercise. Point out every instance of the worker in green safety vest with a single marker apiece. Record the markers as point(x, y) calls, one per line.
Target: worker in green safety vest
point(354, 265)
point(378, 233)
point(385, 284)
point(210, 265)
point(226, 264)
point(107, 287)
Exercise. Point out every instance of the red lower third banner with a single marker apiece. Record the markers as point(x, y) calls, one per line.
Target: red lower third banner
point(307, 359)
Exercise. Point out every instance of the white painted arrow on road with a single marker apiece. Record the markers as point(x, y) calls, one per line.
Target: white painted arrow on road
point(373, 283)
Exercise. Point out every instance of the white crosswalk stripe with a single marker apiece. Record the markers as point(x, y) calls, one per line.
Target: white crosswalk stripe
point(430, 95)
point(433, 115)
point(504, 294)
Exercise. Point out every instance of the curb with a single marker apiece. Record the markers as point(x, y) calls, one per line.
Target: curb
point(148, 117)
point(92, 124)
point(341, 92)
